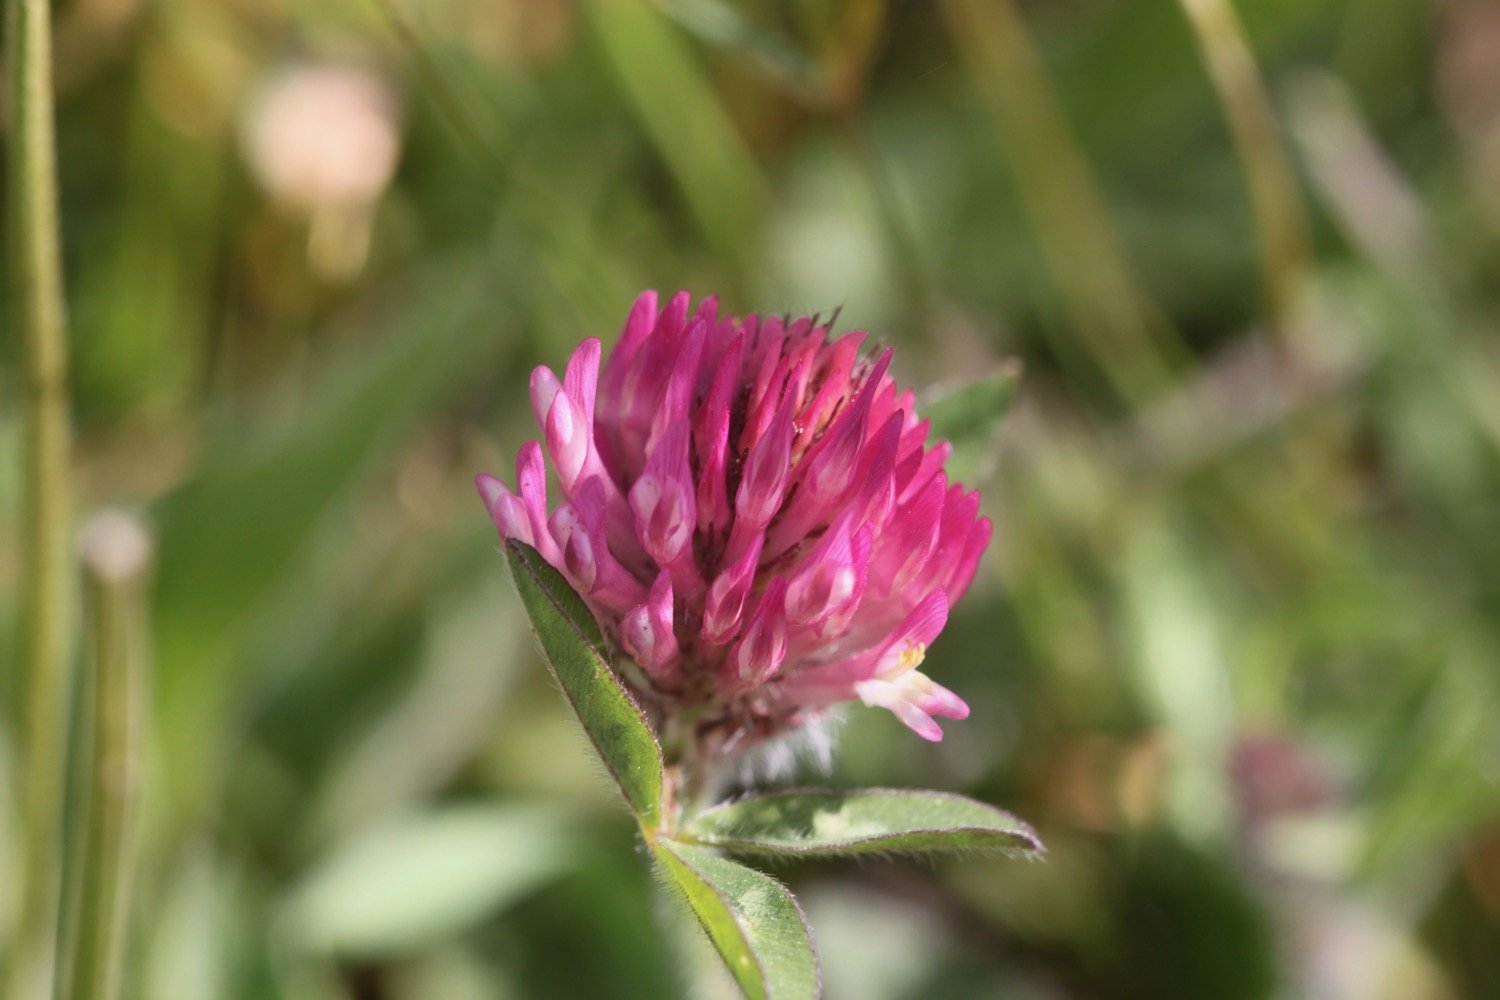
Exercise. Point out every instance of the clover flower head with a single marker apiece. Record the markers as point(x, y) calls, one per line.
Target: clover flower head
point(755, 516)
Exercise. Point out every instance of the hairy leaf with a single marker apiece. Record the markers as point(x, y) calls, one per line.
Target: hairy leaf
point(574, 649)
point(752, 920)
point(862, 821)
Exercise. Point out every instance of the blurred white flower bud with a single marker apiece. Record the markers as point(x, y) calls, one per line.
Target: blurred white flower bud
point(323, 139)
point(321, 135)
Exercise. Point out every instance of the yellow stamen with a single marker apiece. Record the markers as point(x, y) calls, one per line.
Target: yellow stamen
point(912, 655)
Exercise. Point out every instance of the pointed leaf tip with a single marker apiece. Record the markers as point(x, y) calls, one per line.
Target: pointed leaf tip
point(575, 652)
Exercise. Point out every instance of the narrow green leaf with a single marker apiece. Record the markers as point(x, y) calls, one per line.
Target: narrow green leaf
point(575, 651)
point(751, 918)
point(969, 417)
point(857, 822)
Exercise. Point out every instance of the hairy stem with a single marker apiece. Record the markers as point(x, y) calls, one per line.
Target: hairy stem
point(691, 779)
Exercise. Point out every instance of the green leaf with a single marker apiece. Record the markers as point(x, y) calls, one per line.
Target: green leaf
point(413, 880)
point(831, 823)
point(752, 920)
point(969, 418)
point(574, 649)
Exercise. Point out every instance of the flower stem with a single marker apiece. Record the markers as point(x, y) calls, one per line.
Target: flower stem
point(691, 777)
point(116, 555)
point(35, 271)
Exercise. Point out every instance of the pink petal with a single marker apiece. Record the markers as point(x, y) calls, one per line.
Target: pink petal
point(765, 475)
point(925, 621)
point(610, 406)
point(919, 525)
point(830, 579)
point(544, 389)
point(568, 437)
point(682, 384)
point(505, 508)
point(579, 562)
point(963, 573)
point(726, 597)
point(638, 326)
point(831, 462)
point(646, 632)
point(758, 655)
point(877, 497)
point(884, 694)
point(827, 474)
point(662, 499)
point(914, 699)
point(711, 441)
point(579, 530)
point(929, 463)
point(531, 484)
point(836, 362)
point(581, 380)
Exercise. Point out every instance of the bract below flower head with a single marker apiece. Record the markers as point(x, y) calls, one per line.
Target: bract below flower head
point(754, 514)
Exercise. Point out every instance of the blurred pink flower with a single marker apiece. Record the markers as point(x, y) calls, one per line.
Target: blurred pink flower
point(753, 513)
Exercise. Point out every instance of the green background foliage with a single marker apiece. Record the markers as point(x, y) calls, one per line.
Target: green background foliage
point(1233, 652)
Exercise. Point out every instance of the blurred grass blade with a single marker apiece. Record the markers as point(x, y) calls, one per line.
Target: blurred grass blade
point(188, 948)
point(411, 881)
point(833, 823)
point(146, 342)
point(1359, 183)
point(693, 134)
point(116, 557)
point(233, 538)
point(1431, 779)
point(729, 26)
point(1181, 665)
point(569, 248)
point(574, 649)
point(1126, 338)
point(752, 920)
point(229, 536)
point(441, 722)
point(969, 418)
point(1275, 202)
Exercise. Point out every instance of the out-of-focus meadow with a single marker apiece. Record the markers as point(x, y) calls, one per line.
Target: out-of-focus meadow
point(1235, 650)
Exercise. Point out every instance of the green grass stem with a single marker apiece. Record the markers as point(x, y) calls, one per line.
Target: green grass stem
point(35, 273)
